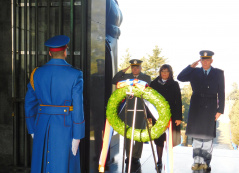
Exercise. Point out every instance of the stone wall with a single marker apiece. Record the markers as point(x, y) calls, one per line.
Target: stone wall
point(6, 135)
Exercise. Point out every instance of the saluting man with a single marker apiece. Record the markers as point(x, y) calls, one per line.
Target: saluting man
point(206, 106)
point(136, 73)
point(54, 112)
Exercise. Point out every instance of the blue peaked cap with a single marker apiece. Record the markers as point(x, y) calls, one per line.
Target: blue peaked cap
point(206, 54)
point(57, 41)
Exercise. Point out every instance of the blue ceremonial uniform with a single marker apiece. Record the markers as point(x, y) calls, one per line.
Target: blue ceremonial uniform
point(54, 114)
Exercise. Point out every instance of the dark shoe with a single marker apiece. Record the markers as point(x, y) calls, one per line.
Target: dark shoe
point(135, 160)
point(159, 166)
point(127, 160)
point(206, 167)
point(196, 167)
point(108, 163)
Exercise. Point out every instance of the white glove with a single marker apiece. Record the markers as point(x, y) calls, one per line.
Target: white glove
point(32, 135)
point(75, 145)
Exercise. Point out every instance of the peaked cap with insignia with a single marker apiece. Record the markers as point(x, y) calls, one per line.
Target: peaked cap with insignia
point(206, 54)
point(135, 62)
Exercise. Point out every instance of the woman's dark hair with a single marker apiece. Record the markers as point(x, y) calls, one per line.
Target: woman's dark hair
point(169, 68)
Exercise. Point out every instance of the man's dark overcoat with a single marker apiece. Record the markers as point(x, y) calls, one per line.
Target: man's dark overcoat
point(171, 92)
point(207, 99)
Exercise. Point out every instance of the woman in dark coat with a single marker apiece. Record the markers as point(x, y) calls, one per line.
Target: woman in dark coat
point(170, 90)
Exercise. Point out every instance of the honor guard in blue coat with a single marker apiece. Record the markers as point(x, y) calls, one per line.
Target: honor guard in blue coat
point(54, 112)
point(206, 106)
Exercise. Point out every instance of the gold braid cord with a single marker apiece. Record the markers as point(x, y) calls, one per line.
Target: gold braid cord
point(31, 78)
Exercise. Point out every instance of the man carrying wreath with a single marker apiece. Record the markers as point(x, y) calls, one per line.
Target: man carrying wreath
point(136, 73)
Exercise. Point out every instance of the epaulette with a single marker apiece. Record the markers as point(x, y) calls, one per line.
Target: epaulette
point(31, 78)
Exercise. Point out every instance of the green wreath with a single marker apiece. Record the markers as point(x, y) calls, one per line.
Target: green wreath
point(149, 94)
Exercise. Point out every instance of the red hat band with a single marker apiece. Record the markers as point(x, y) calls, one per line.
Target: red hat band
point(57, 48)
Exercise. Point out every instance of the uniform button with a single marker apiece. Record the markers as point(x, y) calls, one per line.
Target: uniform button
point(40, 109)
point(48, 162)
point(207, 86)
point(48, 151)
point(65, 110)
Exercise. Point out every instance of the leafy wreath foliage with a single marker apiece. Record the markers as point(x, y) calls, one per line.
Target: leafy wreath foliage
point(140, 135)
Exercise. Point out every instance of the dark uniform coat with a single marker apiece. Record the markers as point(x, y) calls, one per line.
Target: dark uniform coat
point(123, 76)
point(140, 115)
point(171, 92)
point(57, 86)
point(207, 99)
point(139, 122)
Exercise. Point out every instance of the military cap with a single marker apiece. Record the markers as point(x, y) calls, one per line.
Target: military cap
point(100, 62)
point(135, 62)
point(57, 43)
point(206, 54)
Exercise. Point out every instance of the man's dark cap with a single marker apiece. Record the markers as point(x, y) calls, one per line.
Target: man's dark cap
point(57, 43)
point(135, 62)
point(206, 54)
point(100, 62)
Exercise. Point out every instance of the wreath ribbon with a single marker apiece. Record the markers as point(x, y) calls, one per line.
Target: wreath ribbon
point(105, 147)
point(132, 82)
point(169, 149)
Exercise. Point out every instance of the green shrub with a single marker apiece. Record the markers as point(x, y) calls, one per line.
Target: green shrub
point(234, 117)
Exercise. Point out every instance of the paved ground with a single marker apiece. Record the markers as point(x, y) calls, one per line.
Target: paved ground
point(224, 159)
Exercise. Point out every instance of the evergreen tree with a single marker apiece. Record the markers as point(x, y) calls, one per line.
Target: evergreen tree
point(234, 119)
point(234, 95)
point(125, 61)
point(234, 113)
point(186, 96)
point(152, 64)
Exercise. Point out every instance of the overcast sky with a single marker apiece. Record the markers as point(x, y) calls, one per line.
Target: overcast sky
point(181, 29)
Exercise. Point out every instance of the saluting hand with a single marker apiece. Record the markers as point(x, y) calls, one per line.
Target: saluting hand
point(125, 69)
point(195, 64)
point(178, 122)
